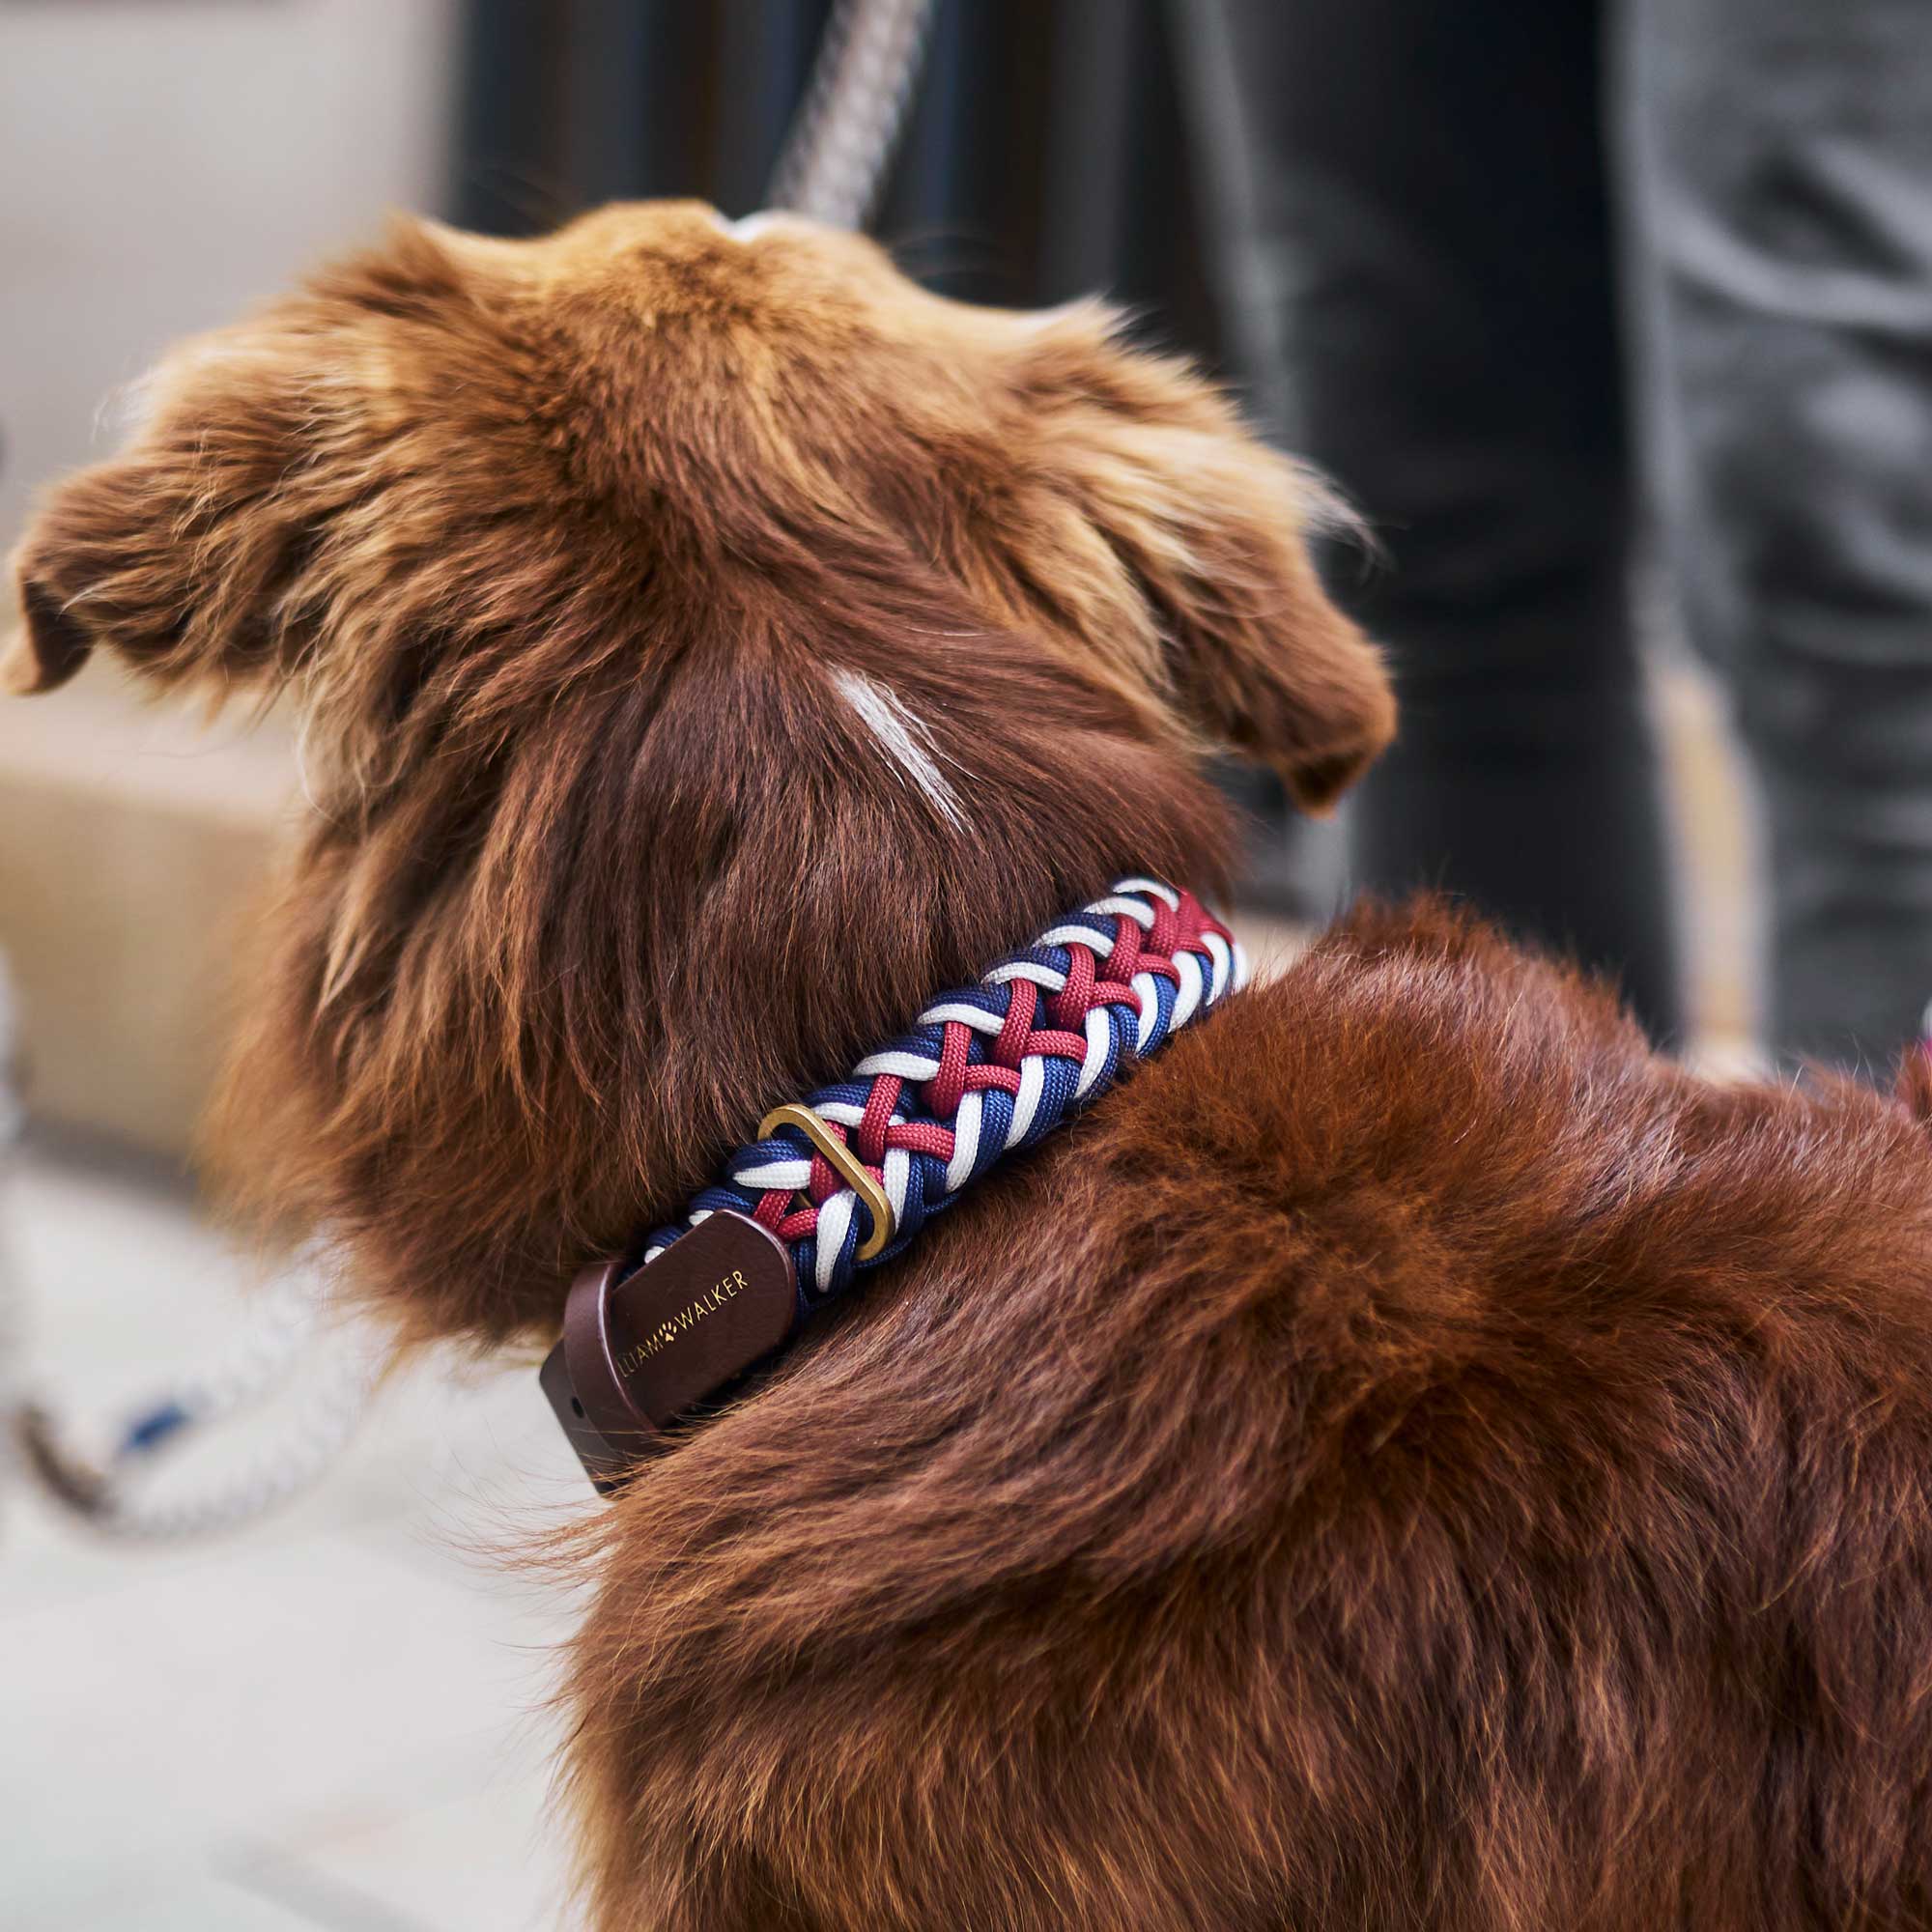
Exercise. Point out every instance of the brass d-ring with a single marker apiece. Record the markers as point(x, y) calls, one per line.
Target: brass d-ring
point(848, 1165)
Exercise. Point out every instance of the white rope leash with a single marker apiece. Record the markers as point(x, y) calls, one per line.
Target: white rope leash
point(841, 142)
point(118, 1493)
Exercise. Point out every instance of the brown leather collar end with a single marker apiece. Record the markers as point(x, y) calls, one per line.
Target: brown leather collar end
point(643, 1348)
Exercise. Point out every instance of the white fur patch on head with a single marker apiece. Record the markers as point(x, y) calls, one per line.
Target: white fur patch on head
point(904, 739)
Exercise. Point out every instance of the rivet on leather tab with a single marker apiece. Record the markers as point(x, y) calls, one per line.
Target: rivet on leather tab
point(640, 1351)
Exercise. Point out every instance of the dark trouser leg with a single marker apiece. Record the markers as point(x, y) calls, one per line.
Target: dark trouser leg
point(1420, 248)
point(1785, 213)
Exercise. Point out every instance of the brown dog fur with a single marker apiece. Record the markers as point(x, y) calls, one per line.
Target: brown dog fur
point(1410, 1459)
point(561, 544)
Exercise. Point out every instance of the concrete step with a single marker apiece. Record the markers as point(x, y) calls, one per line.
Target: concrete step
point(133, 838)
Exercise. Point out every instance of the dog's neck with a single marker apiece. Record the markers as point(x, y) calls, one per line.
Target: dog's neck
point(533, 994)
point(848, 1180)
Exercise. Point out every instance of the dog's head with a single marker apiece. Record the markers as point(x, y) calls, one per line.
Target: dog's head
point(452, 441)
point(708, 641)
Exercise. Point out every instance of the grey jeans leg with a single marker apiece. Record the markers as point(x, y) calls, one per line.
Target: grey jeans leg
point(1783, 221)
point(1417, 237)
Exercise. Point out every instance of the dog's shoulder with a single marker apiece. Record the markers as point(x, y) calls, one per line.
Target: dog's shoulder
point(1278, 1427)
point(1479, 1139)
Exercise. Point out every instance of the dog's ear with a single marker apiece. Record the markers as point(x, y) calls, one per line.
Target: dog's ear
point(1212, 526)
point(171, 553)
point(187, 553)
point(49, 647)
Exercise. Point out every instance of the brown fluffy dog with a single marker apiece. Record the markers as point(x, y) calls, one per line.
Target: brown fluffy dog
point(1410, 1459)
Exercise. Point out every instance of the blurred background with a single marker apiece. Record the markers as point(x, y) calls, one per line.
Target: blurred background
point(1610, 319)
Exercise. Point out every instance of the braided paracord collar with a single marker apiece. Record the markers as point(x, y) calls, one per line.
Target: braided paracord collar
point(795, 1215)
